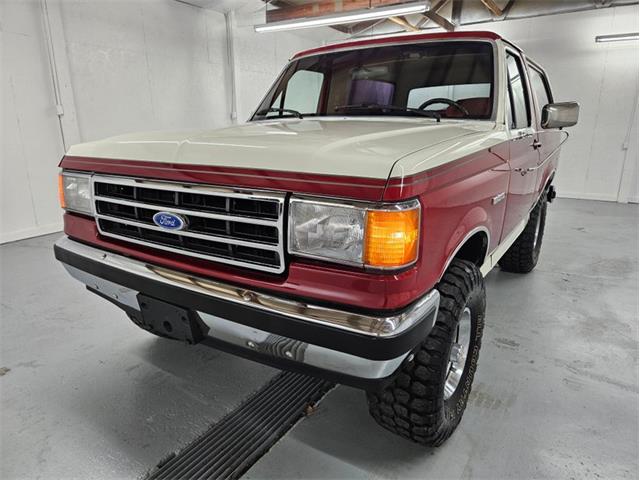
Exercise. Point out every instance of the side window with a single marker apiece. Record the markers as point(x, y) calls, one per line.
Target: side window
point(520, 116)
point(303, 92)
point(539, 87)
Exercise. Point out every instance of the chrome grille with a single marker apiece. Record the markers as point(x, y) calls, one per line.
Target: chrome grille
point(224, 225)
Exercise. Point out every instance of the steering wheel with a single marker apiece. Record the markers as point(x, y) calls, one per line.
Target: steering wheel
point(448, 101)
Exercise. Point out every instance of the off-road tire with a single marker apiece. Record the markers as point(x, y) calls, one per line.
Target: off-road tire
point(413, 404)
point(523, 255)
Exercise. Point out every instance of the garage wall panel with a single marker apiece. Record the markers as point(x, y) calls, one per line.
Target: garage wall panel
point(616, 104)
point(175, 30)
point(187, 94)
point(132, 66)
point(116, 25)
point(629, 180)
point(111, 90)
point(143, 65)
point(31, 142)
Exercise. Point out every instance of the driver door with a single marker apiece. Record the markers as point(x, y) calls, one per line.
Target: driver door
point(523, 156)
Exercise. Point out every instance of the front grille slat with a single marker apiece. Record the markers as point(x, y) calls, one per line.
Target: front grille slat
point(228, 226)
point(200, 225)
point(187, 233)
point(161, 208)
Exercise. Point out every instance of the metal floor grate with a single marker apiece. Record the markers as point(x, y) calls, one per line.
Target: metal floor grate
point(231, 446)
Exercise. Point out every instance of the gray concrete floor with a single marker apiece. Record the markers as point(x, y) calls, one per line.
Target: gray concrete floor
point(88, 395)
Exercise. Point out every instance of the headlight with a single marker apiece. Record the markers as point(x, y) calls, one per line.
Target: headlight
point(355, 234)
point(74, 191)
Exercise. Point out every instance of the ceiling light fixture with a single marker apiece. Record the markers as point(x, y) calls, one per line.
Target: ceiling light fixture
point(617, 37)
point(345, 17)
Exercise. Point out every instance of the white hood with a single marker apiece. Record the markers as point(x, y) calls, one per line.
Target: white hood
point(364, 146)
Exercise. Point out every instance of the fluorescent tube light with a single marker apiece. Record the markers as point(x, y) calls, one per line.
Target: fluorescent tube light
point(618, 37)
point(345, 17)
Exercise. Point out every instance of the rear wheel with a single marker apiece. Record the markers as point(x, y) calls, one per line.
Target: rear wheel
point(427, 396)
point(522, 256)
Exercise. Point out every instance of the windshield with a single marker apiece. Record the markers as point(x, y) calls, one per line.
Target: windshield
point(434, 79)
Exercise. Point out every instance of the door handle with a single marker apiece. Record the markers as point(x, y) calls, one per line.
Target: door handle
point(522, 134)
point(536, 144)
point(524, 171)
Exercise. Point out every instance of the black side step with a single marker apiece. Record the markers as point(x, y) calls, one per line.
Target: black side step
point(231, 446)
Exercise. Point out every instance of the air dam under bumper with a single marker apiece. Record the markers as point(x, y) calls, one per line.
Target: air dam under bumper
point(354, 348)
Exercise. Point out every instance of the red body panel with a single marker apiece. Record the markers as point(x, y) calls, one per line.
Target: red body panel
point(549, 155)
point(455, 198)
point(361, 188)
point(522, 157)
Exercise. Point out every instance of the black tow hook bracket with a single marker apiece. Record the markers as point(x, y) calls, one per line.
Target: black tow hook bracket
point(551, 193)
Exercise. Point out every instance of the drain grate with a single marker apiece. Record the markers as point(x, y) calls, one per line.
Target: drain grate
point(231, 446)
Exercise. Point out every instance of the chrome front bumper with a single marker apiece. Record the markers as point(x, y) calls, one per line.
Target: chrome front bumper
point(122, 279)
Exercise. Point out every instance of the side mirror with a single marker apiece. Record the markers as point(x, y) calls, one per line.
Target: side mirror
point(559, 115)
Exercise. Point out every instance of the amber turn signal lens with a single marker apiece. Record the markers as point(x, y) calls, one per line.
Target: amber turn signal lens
point(391, 237)
point(63, 204)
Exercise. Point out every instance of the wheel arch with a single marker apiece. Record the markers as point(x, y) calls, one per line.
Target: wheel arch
point(473, 247)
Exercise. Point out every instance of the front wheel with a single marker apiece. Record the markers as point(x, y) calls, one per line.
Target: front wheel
point(427, 396)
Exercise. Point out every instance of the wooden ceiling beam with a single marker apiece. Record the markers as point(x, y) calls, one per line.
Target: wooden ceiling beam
point(433, 15)
point(322, 7)
point(456, 11)
point(440, 21)
point(404, 24)
point(493, 7)
point(507, 8)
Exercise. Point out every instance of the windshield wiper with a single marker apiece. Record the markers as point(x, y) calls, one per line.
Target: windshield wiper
point(390, 108)
point(295, 113)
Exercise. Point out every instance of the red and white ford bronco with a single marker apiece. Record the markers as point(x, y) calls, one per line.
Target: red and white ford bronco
point(345, 229)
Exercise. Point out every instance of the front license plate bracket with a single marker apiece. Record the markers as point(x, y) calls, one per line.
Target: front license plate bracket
point(172, 321)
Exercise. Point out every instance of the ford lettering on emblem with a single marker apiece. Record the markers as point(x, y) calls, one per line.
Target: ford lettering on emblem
point(169, 221)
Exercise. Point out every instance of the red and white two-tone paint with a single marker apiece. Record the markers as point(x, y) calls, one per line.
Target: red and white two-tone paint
point(464, 123)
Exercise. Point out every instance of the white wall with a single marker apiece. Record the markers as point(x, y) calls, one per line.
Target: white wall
point(145, 65)
point(30, 133)
point(629, 180)
point(131, 65)
point(603, 78)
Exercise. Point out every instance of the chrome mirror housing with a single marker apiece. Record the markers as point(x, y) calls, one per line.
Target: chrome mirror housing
point(560, 115)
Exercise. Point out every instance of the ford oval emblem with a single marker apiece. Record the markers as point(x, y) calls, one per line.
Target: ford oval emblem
point(169, 221)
